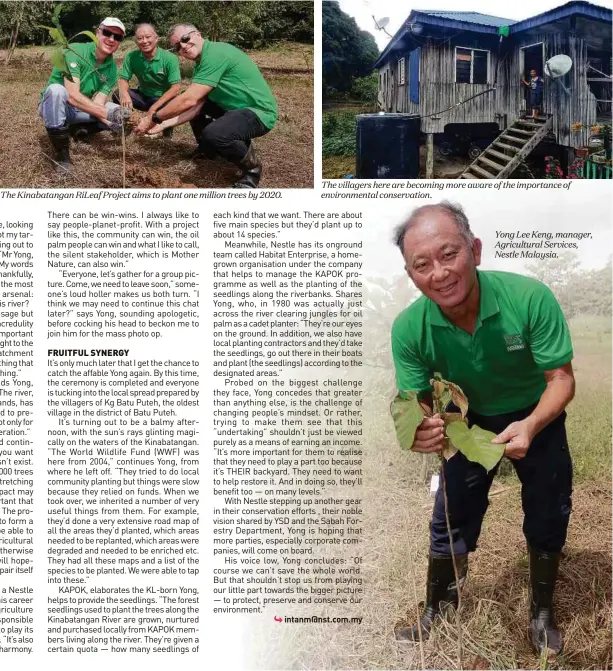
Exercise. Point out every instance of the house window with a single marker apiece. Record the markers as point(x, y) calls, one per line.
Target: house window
point(471, 66)
point(402, 71)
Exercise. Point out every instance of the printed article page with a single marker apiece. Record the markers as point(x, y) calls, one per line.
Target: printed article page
point(251, 419)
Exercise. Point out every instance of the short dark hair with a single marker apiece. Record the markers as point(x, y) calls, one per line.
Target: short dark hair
point(454, 210)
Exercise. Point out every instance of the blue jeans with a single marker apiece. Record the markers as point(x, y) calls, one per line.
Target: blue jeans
point(56, 111)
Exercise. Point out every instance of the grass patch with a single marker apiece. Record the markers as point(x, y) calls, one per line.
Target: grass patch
point(338, 133)
point(589, 415)
point(336, 167)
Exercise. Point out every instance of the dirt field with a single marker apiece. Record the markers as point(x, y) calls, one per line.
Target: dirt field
point(286, 152)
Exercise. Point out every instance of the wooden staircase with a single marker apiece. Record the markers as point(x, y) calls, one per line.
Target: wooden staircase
point(508, 150)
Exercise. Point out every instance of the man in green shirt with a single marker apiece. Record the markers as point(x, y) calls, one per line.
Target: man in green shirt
point(228, 102)
point(82, 98)
point(504, 340)
point(157, 71)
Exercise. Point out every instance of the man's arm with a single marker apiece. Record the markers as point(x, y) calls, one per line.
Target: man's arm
point(176, 120)
point(124, 94)
point(192, 96)
point(172, 92)
point(94, 107)
point(558, 393)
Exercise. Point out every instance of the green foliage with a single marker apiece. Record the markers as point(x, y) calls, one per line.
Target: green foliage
point(585, 292)
point(21, 20)
point(224, 20)
point(243, 23)
point(249, 24)
point(347, 51)
point(407, 415)
point(79, 15)
point(58, 56)
point(365, 88)
point(475, 444)
point(294, 21)
point(338, 134)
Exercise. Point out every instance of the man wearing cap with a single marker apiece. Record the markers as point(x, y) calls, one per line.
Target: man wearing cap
point(504, 340)
point(80, 99)
point(228, 103)
point(157, 71)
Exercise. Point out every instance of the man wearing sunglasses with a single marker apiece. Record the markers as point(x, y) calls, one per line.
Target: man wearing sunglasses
point(228, 103)
point(80, 97)
point(157, 71)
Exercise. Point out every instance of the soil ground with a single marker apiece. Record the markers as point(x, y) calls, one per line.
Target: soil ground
point(286, 152)
point(445, 167)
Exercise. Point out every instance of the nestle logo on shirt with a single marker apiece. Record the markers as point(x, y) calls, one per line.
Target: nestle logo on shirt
point(514, 342)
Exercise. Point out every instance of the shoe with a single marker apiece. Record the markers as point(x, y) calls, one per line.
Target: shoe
point(251, 168)
point(60, 141)
point(544, 633)
point(441, 590)
point(81, 132)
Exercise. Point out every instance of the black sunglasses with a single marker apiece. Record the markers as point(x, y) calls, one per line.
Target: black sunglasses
point(183, 40)
point(110, 33)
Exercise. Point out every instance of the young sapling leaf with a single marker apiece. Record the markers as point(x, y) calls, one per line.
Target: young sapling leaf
point(407, 414)
point(89, 34)
point(475, 444)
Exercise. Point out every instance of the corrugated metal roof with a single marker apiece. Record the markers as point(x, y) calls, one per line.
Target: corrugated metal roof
point(469, 17)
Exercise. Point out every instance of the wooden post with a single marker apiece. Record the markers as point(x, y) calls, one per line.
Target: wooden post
point(429, 155)
point(569, 157)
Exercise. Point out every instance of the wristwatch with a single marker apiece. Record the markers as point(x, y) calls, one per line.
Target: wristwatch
point(155, 118)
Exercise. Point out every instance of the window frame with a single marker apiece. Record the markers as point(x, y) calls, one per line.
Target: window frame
point(472, 63)
point(402, 71)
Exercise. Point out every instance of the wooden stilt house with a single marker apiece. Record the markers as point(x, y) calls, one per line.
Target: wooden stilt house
point(454, 68)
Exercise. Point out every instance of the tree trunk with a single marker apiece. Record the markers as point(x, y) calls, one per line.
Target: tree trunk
point(14, 35)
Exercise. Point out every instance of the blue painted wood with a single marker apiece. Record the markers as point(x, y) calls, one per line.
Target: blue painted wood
point(414, 75)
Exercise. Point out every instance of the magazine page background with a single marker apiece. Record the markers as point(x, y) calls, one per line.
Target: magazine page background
point(234, 642)
point(396, 504)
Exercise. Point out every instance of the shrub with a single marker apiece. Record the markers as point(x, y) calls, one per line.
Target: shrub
point(365, 88)
point(338, 133)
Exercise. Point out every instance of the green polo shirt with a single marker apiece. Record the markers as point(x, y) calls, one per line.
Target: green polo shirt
point(155, 76)
point(93, 77)
point(520, 332)
point(236, 80)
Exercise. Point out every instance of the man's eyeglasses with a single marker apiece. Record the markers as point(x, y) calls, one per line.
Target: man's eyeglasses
point(110, 33)
point(183, 40)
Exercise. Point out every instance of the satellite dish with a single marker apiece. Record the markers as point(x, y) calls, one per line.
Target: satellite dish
point(381, 23)
point(558, 66)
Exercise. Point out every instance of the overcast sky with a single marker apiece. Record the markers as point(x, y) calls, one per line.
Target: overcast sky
point(363, 11)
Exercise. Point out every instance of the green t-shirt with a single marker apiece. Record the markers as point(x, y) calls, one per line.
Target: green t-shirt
point(93, 77)
point(236, 80)
point(520, 332)
point(156, 76)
